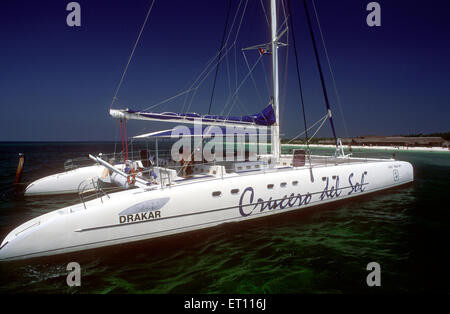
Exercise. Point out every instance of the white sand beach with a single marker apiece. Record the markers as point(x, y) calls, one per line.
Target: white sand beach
point(387, 148)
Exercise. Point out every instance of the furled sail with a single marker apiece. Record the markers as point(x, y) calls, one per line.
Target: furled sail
point(264, 118)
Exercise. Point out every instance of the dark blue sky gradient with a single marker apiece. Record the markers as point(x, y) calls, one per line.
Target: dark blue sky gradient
point(57, 82)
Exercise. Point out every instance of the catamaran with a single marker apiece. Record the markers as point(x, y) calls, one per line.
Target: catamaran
point(192, 194)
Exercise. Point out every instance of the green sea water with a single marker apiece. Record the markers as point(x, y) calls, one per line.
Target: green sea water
point(316, 250)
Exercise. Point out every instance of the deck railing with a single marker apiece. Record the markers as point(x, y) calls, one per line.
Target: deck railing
point(91, 186)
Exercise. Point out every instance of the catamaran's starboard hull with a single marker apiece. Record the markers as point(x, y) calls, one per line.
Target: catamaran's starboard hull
point(141, 214)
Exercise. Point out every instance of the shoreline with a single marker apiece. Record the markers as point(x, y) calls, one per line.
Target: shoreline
point(386, 148)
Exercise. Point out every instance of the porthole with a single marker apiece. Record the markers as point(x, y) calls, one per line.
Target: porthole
point(270, 186)
point(294, 182)
point(283, 184)
point(234, 191)
point(216, 193)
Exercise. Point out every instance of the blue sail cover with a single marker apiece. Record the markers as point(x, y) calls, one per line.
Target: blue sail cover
point(264, 118)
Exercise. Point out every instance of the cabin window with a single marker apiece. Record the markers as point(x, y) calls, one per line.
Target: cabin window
point(249, 167)
point(239, 168)
point(214, 172)
point(283, 184)
point(216, 193)
point(270, 186)
point(234, 191)
point(294, 182)
point(256, 166)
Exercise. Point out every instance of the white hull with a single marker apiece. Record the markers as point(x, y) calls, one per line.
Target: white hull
point(64, 182)
point(146, 213)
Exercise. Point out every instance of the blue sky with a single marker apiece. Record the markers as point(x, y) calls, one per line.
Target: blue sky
point(57, 82)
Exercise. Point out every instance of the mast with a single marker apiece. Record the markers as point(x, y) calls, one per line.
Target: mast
point(276, 126)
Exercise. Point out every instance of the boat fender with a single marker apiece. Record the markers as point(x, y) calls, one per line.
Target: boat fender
point(131, 179)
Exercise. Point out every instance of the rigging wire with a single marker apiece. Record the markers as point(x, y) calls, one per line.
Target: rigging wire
point(220, 50)
point(331, 71)
point(322, 80)
point(240, 85)
point(324, 118)
point(121, 135)
point(298, 73)
point(235, 38)
point(265, 13)
point(226, 48)
point(283, 94)
point(131, 55)
point(266, 77)
point(170, 98)
point(199, 78)
point(286, 70)
point(253, 79)
point(125, 136)
point(320, 126)
point(235, 97)
point(115, 139)
point(208, 68)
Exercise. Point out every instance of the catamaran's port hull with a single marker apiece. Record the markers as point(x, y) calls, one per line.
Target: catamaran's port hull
point(65, 182)
point(142, 214)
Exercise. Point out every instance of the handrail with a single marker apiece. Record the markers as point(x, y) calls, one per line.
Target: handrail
point(96, 188)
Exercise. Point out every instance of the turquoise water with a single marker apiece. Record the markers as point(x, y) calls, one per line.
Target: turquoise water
point(319, 250)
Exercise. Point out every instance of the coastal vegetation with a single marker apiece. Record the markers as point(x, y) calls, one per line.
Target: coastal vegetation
point(320, 140)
